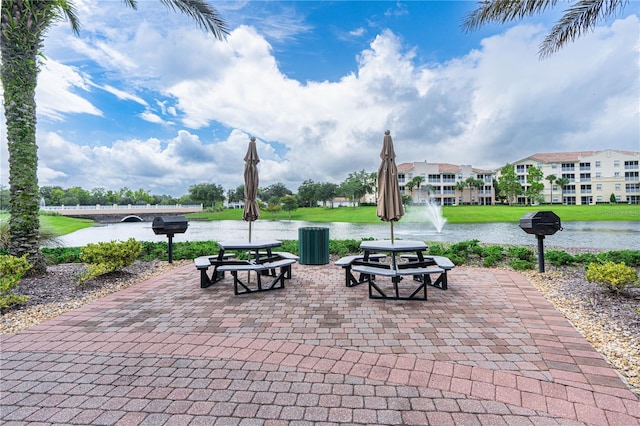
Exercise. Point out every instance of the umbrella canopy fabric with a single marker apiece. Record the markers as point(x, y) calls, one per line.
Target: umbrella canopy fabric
point(389, 198)
point(251, 182)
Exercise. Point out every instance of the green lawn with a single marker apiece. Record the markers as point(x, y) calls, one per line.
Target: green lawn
point(453, 214)
point(61, 225)
point(58, 225)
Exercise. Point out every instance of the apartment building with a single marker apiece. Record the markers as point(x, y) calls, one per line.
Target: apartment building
point(593, 176)
point(440, 182)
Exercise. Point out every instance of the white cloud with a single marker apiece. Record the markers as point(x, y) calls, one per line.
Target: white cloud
point(56, 91)
point(122, 95)
point(496, 104)
point(153, 118)
point(161, 167)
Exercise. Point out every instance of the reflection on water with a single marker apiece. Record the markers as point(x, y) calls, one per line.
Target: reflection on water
point(600, 235)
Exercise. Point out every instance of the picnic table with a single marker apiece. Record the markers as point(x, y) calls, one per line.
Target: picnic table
point(417, 266)
point(260, 258)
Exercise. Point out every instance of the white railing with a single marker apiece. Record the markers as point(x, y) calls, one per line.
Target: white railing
point(125, 207)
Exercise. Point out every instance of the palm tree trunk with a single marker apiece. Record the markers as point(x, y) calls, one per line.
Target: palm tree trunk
point(21, 40)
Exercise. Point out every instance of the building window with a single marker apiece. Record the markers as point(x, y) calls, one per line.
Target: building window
point(616, 163)
point(585, 189)
point(434, 178)
point(585, 177)
point(554, 165)
point(599, 187)
point(631, 175)
point(632, 187)
point(520, 168)
point(616, 174)
point(598, 175)
point(570, 176)
point(400, 177)
point(597, 164)
point(631, 164)
point(617, 187)
point(585, 166)
point(568, 167)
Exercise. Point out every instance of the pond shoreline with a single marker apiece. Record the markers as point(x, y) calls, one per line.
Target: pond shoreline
point(605, 235)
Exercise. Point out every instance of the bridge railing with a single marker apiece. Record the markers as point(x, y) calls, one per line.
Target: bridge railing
point(98, 207)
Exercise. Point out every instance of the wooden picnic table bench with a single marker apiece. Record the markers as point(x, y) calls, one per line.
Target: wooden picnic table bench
point(442, 262)
point(347, 262)
point(276, 279)
point(421, 274)
point(203, 263)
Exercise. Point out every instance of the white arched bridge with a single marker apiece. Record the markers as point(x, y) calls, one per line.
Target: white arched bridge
point(123, 213)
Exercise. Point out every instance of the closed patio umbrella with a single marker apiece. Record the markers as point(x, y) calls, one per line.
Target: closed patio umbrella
point(251, 209)
point(389, 198)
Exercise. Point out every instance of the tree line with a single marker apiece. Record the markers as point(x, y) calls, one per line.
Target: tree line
point(309, 194)
point(212, 195)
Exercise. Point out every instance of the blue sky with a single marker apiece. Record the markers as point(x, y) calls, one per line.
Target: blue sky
point(145, 99)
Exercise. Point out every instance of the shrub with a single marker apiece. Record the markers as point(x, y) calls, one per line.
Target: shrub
point(559, 257)
point(437, 249)
point(342, 247)
point(614, 277)
point(108, 257)
point(520, 253)
point(459, 252)
point(492, 255)
point(628, 257)
point(585, 258)
point(521, 265)
point(57, 255)
point(11, 271)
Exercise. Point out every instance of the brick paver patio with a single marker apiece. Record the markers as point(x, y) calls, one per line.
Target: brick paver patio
point(488, 351)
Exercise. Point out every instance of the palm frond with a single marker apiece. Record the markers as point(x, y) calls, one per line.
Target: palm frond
point(131, 3)
point(580, 18)
point(502, 11)
point(203, 13)
point(68, 11)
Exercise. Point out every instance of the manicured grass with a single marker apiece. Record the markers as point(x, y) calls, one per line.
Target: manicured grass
point(58, 225)
point(61, 225)
point(453, 214)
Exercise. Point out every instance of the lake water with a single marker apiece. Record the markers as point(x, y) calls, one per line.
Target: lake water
point(598, 235)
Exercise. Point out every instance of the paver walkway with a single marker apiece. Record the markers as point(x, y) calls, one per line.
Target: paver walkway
point(488, 351)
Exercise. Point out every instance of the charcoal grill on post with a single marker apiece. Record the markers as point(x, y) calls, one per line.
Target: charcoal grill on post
point(170, 225)
point(540, 224)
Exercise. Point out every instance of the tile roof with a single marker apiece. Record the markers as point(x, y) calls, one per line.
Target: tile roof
point(442, 168)
point(569, 157)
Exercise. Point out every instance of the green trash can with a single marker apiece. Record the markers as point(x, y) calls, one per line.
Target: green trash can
point(313, 245)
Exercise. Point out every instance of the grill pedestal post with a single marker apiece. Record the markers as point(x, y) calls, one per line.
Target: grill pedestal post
point(540, 253)
point(170, 236)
